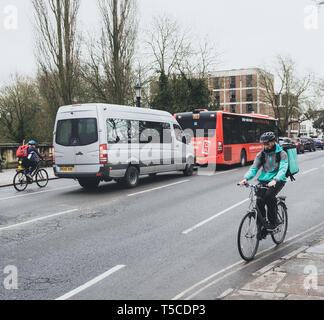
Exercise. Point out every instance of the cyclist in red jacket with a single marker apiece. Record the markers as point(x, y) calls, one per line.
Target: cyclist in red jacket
point(31, 161)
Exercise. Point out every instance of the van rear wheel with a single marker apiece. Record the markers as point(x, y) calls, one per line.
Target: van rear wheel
point(89, 184)
point(131, 179)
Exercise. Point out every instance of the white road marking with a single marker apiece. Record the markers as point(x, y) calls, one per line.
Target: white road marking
point(206, 174)
point(311, 170)
point(229, 171)
point(180, 295)
point(225, 293)
point(154, 189)
point(36, 193)
point(214, 217)
point(294, 253)
point(91, 283)
point(37, 220)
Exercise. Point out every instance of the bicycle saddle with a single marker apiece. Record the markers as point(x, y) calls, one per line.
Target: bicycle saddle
point(283, 198)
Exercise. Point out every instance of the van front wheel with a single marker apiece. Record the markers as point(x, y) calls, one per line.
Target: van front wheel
point(89, 184)
point(189, 170)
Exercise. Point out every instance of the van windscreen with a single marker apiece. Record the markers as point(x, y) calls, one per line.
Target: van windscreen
point(76, 132)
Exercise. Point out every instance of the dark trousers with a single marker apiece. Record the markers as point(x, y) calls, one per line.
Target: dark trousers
point(29, 165)
point(268, 197)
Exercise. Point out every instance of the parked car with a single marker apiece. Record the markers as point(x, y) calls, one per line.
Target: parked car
point(284, 140)
point(319, 143)
point(299, 146)
point(100, 142)
point(309, 144)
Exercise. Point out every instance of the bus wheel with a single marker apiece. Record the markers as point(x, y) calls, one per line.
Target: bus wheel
point(243, 158)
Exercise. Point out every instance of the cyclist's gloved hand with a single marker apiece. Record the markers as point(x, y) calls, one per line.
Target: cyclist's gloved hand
point(272, 184)
point(243, 183)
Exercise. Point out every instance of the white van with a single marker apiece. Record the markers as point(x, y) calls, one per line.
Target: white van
point(101, 142)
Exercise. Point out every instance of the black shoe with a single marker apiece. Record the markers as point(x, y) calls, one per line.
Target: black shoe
point(270, 227)
point(263, 234)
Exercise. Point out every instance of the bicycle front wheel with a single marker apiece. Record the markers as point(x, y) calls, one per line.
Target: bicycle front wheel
point(248, 240)
point(20, 181)
point(42, 178)
point(279, 235)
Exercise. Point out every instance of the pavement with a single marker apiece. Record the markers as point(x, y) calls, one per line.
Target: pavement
point(6, 176)
point(296, 276)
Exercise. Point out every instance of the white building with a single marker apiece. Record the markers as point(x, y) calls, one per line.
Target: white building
point(307, 129)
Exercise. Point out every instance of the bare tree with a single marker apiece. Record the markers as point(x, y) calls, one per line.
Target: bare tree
point(110, 68)
point(174, 49)
point(169, 45)
point(19, 103)
point(58, 53)
point(290, 99)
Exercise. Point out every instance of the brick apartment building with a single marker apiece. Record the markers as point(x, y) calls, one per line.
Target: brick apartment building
point(239, 91)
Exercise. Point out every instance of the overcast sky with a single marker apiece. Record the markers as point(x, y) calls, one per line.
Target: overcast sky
point(248, 33)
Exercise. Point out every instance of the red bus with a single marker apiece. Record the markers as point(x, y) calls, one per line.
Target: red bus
point(221, 137)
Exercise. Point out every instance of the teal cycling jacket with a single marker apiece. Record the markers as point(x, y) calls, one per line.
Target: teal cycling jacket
point(272, 170)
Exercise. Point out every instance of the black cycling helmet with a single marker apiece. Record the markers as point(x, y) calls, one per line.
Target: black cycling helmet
point(268, 137)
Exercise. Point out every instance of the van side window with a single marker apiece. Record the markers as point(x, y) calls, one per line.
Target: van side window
point(150, 132)
point(133, 131)
point(167, 136)
point(178, 132)
point(117, 131)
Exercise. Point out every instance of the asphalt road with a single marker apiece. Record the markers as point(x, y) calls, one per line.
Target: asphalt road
point(171, 238)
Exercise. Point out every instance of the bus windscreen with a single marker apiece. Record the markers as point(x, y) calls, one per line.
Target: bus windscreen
point(202, 126)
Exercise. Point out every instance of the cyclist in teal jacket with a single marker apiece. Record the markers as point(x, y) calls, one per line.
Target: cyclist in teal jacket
point(273, 175)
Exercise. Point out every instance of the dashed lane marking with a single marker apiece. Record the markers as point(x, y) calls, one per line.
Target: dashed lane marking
point(91, 283)
point(17, 225)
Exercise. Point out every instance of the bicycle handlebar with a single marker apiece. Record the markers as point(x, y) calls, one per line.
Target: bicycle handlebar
point(248, 185)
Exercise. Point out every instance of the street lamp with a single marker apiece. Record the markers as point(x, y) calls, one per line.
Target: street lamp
point(138, 90)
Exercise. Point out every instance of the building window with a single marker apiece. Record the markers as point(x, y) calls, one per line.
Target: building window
point(249, 81)
point(233, 82)
point(233, 95)
point(216, 83)
point(250, 108)
point(217, 99)
point(249, 96)
point(233, 109)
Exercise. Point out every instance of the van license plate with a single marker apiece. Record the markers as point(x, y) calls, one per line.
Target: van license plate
point(66, 169)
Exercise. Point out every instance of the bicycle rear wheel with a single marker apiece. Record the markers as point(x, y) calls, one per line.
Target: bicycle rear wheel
point(20, 181)
point(42, 178)
point(279, 235)
point(248, 240)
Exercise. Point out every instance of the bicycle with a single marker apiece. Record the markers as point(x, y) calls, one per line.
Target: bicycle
point(253, 227)
point(21, 181)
